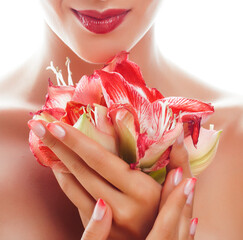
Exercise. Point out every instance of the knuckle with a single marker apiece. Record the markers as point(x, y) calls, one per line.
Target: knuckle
point(149, 193)
point(74, 145)
point(63, 183)
point(122, 217)
point(78, 167)
point(125, 216)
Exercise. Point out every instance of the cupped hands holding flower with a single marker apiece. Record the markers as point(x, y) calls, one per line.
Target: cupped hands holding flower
point(86, 129)
point(133, 196)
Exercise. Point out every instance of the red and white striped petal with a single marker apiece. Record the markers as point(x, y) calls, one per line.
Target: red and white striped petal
point(161, 163)
point(113, 88)
point(155, 151)
point(180, 104)
point(132, 74)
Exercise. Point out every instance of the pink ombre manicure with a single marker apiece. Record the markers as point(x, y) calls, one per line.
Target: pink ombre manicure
point(56, 130)
point(190, 197)
point(99, 210)
point(193, 226)
point(190, 185)
point(37, 128)
point(178, 176)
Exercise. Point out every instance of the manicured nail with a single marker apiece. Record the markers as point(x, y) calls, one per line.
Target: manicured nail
point(193, 226)
point(178, 176)
point(56, 130)
point(190, 197)
point(180, 139)
point(189, 185)
point(99, 210)
point(37, 128)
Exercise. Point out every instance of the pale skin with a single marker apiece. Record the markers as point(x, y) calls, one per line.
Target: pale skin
point(31, 201)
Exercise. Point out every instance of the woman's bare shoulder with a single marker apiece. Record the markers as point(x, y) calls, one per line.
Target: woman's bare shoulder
point(229, 112)
point(218, 202)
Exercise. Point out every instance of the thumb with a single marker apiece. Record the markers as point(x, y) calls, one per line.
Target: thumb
point(179, 157)
point(99, 225)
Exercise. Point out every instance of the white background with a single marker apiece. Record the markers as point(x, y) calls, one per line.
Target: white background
point(204, 37)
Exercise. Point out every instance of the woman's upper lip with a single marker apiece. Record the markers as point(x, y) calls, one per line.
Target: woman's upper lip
point(102, 15)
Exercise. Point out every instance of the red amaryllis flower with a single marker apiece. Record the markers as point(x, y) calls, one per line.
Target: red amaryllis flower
point(116, 108)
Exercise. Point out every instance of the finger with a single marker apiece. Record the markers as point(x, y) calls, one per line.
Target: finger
point(167, 222)
point(173, 178)
point(88, 178)
point(100, 223)
point(108, 165)
point(179, 157)
point(185, 221)
point(77, 194)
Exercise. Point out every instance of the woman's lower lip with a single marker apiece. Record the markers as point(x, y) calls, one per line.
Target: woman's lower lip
point(101, 25)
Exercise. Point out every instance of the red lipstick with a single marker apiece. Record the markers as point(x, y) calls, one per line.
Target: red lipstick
point(101, 22)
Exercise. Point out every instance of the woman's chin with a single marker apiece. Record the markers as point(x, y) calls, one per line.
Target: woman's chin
point(100, 56)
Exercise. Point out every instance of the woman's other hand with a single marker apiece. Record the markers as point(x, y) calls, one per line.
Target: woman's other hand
point(171, 222)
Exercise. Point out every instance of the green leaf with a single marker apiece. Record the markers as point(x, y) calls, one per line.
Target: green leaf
point(159, 175)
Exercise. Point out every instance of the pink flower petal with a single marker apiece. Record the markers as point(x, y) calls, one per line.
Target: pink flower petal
point(202, 156)
point(44, 155)
point(103, 121)
point(87, 127)
point(161, 163)
point(123, 121)
point(88, 90)
point(58, 96)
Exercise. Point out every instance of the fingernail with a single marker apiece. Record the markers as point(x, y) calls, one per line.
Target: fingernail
point(193, 226)
point(190, 197)
point(180, 139)
point(56, 130)
point(178, 176)
point(37, 128)
point(189, 185)
point(99, 210)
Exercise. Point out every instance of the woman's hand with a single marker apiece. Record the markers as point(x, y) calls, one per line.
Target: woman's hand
point(170, 222)
point(133, 196)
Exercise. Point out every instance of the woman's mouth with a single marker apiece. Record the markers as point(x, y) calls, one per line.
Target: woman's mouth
point(101, 22)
